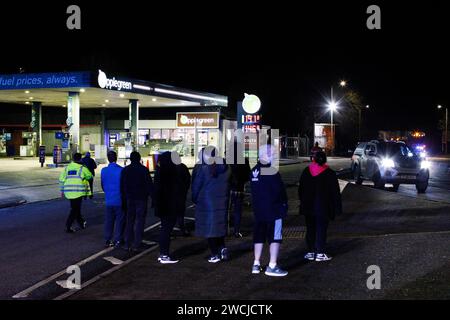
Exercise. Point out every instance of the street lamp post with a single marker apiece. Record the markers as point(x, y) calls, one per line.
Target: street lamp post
point(446, 128)
point(332, 106)
point(359, 122)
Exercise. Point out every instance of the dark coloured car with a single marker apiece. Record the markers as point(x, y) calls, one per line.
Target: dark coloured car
point(389, 162)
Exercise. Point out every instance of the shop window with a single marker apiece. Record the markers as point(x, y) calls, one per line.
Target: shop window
point(165, 134)
point(155, 134)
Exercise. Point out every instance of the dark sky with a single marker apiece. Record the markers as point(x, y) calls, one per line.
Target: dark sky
point(289, 54)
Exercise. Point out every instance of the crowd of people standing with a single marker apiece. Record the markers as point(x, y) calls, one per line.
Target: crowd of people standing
point(215, 187)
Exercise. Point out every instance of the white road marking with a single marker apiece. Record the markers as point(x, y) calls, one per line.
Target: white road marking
point(63, 284)
point(104, 274)
point(113, 260)
point(342, 184)
point(25, 293)
point(152, 226)
point(149, 243)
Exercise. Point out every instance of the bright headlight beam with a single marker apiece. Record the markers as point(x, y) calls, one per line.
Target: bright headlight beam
point(388, 163)
point(425, 164)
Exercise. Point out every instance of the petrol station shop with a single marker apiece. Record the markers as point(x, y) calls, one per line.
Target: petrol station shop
point(92, 111)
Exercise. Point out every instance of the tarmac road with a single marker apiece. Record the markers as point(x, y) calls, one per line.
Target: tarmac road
point(379, 227)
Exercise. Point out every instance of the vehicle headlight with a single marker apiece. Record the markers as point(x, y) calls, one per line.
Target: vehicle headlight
point(388, 163)
point(425, 164)
point(423, 154)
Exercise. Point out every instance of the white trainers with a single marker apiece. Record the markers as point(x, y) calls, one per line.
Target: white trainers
point(214, 259)
point(309, 256)
point(166, 260)
point(323, 257)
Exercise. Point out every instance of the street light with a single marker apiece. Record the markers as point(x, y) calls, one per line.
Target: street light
point(332, 106)
point(446, 127)
point(343, 83)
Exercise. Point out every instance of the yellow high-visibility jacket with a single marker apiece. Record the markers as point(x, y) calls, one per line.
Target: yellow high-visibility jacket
point(74, 181)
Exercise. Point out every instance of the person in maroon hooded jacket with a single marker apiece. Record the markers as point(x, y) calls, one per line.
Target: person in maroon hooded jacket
point(320, 202)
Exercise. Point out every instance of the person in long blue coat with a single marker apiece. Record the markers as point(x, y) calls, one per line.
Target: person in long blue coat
point(210, 193)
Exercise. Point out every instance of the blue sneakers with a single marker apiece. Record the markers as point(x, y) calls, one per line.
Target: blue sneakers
point(256, 269)
point(275, 272)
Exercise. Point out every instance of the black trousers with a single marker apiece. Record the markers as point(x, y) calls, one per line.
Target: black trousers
point(237, 198)
point(75, 213)
point(316, 233)
point(167, 225)
point(216, 244)
point(135, 217)
point(91, 185)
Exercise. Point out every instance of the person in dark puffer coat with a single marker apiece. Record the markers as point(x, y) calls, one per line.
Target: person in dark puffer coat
point(210, 193)
point(171, 184)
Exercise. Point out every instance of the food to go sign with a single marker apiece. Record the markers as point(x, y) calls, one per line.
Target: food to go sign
point(198, 119)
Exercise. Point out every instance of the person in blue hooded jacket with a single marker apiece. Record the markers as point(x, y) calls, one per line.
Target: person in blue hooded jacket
point(270, 206)
point(210, 194)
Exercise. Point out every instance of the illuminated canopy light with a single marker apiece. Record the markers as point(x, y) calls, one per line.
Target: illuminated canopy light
point(189, 95)
point(138, 86)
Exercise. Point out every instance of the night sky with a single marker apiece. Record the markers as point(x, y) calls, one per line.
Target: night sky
point(287, 54)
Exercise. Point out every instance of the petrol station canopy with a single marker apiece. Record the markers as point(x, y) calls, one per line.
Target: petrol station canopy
point(97, 90)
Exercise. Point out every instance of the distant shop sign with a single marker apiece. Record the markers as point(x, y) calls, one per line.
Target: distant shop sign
point(198, 119)
point(112, 84)
point(44, 80)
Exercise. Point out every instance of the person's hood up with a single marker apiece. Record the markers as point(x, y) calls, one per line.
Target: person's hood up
point(316, 169)
point(221, 168)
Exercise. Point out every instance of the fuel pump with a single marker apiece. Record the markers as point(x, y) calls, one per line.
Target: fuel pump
point(28, 148)
point(66, 147)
